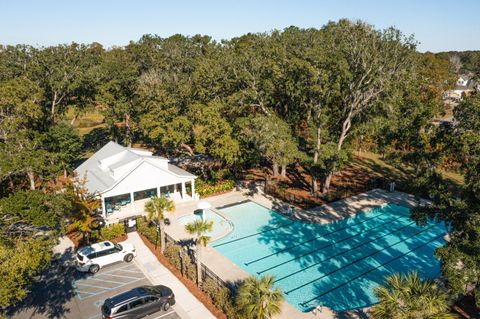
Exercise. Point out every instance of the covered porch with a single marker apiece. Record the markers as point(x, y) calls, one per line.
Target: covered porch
point(116, 207)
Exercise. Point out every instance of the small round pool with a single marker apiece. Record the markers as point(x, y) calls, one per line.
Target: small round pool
point(221, 226)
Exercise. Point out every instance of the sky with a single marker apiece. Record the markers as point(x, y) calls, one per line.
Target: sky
point(439, 25)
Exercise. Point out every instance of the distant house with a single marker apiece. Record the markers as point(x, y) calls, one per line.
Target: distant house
point(465, 86)
point(463, 80)
point(125, 178)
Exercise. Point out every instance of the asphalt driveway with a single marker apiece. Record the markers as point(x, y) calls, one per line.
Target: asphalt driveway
point(62, 292)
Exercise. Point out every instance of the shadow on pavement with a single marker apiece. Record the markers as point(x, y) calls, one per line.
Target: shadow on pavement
point(51, 292)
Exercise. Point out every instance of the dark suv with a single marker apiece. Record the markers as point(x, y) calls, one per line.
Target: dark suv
point(138, 302)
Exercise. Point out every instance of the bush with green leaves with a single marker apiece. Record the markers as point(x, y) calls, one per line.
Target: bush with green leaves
point(189, 268)
point(221, 297)
point(207, 188)
point(172, 253)
point(112, 231)
point(147, 229)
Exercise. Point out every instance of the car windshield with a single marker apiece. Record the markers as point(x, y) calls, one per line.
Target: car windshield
point(80, 257)
point(106, 310)
point(119, 247)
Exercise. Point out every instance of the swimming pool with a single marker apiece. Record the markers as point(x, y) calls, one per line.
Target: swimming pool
point(220, 227)
point(336, 265)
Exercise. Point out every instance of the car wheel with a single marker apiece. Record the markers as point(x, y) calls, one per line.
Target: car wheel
point(166, 306)
point(128, 258)
point(94, 269)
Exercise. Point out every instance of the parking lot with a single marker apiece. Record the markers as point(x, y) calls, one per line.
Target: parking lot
point(86, 294)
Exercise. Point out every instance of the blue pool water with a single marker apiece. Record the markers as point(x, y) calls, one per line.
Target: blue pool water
point(337, 264)
point(220, 225)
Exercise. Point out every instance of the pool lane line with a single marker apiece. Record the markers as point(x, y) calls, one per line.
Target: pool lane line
point(315, 238)
point(358, 260)
point(318, 237)
point(251, 235)
point(343, 252)
point(303, 304)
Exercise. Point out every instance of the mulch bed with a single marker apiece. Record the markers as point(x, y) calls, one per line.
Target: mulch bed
point(78, 241)
point(296, 185)
point(217, 193)
point(191, 286)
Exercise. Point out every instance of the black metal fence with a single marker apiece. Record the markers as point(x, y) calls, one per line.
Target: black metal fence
point(208, 273)
point(275, 189)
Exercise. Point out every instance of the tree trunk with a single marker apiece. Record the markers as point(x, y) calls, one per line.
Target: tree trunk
point(284, 170)
point(52, 109)
point(162, 236)
point(31, 177)
point(315, 159)
point(73, 119)
point(314, 183)
point(187, 148)
point(347, 123)
point(128, 132)
point(199, 265)
point(65, 172)
point(10, 182)
point(275, 169)
point(326, 182)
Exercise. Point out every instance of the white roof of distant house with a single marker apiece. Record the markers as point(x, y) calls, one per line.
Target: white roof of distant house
point(113, 162)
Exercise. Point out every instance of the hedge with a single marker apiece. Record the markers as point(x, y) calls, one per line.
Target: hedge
point(147, 229)
point(112, 231)
point(205, 188)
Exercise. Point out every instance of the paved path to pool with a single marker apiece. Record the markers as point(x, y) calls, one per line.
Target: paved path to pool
point(187, 307)
point(230, 272)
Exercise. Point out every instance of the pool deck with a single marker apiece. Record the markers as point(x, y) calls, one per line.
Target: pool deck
point(230, 272)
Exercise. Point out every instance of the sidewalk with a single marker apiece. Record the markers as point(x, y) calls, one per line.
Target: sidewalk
point(187, 306)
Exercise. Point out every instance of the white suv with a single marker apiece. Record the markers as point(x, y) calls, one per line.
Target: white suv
point(92, 258)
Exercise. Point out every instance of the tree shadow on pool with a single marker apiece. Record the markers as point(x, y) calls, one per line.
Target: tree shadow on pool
point(344, 292)
point(324, 274)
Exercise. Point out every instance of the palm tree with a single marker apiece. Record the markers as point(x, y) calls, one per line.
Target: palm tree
point(156, 208)
point(409, 297)
point(257, 299)
point(199, 228)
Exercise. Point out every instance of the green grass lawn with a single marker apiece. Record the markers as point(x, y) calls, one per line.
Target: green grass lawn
point(375, 165)
point(85, 123)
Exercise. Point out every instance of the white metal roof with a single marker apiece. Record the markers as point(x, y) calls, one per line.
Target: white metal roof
point(114, 162)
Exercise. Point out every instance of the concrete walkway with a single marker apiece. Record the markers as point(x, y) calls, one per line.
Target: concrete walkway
point(187, 307)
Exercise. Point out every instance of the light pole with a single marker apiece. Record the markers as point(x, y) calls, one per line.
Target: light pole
point(157, 228)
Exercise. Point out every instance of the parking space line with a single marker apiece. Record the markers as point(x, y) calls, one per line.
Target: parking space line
point(165, 314)
point(86, 292)
point(94, 286)
point(136, 272)
point(116, 269)
point(105, 280)
point(116, 287)
point(121, 276)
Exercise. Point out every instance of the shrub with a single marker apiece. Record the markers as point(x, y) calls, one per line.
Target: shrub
point(147, 229)
point(171, 252)
point(205, 188)
point(112, 231)
point(221, 297)
point(189, 268)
